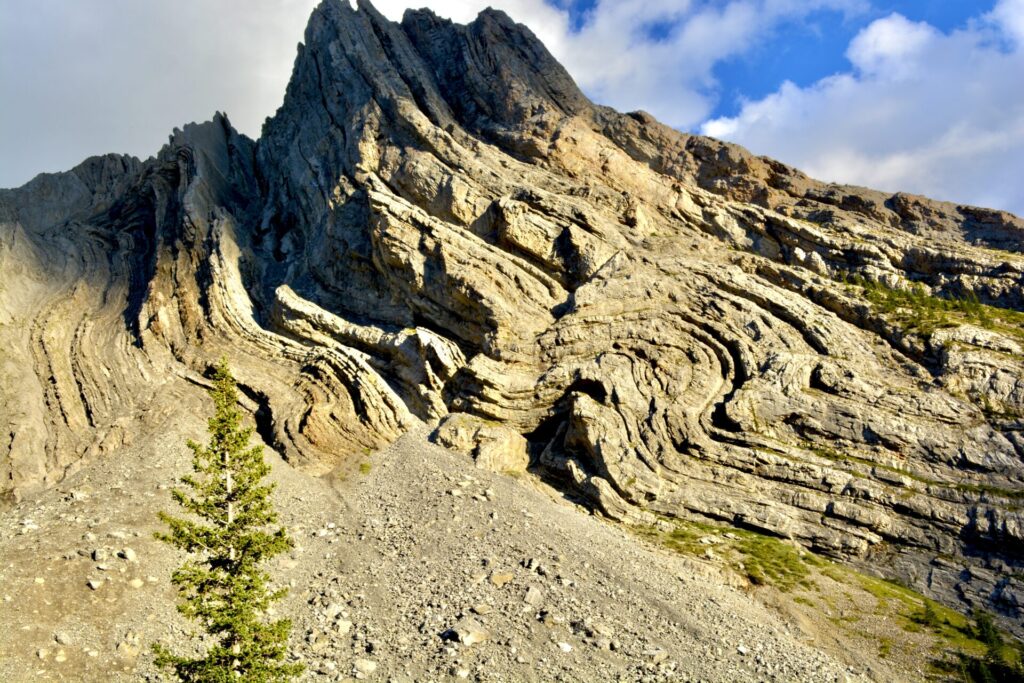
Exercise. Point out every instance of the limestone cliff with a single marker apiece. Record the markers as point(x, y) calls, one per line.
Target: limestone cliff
point(437, 221)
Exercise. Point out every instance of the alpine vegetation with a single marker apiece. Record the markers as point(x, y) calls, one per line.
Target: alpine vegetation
point(223, 586)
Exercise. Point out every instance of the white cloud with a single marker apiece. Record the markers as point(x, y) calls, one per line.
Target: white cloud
point(923, 111)
point(1010, 15)
point(615, 61)
point(890, 47)
point(82, 78)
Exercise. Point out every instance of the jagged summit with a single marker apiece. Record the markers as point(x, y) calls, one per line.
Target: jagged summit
point(438, 227)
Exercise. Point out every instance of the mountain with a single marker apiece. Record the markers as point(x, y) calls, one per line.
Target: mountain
point(439, 228)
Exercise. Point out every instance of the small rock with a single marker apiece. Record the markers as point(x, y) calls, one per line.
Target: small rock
point(482, 609)
point(62, 638)
point(742, 650)
point(129, 555)
point(565, 647)
point(100, 555)
point(60, 657)
point(342, 627)
point(533, 596)
point(40, 580)
point(500, 579)
point(364, 667)
point(470, 632)
point(136, 583)
point(94, 584)
point(42, 653)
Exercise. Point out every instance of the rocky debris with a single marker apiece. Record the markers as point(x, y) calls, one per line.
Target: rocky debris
point(437, 225)
point(394, 572)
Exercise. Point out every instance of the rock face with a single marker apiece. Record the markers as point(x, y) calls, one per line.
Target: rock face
point(437, 224)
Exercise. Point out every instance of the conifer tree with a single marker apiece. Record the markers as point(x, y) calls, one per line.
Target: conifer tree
point(223, 586)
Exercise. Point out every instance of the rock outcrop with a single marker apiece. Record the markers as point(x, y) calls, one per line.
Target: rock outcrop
point(438, 225)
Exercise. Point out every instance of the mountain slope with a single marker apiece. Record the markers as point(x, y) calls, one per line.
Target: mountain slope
point(438, 222)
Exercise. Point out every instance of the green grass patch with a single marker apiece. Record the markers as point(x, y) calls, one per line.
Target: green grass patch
point(969, 649)
point(763, 560)
point(996, 657)
point(365, 468)
point(770, 561)
point(915, 310)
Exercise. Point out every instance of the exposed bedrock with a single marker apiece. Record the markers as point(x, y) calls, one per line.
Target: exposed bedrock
point(437, 226)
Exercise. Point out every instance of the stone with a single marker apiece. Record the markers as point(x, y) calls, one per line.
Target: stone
point(499, 579)
point(128, 555)
point(470, 631)
point(493, 446)
point(136, 583)
point(534, 596)
point(126, 649)
point(364, 667)
point(94, 584)
point(100, 554)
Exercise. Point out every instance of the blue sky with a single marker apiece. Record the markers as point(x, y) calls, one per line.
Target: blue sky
point(919, 95)
point(809, 49)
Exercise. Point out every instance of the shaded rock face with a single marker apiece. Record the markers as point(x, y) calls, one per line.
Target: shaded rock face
point(437, 222)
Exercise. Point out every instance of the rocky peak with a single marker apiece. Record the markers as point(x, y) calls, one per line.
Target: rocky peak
point(438, 227)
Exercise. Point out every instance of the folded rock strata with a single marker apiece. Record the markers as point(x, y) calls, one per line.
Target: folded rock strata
point(438, 225)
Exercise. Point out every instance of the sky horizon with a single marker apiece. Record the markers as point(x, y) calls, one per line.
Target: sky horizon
point(920, 96)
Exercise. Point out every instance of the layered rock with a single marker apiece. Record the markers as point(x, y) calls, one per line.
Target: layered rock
point(437, 224)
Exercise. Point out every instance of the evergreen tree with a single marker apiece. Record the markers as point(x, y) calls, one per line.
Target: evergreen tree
point(223, 587)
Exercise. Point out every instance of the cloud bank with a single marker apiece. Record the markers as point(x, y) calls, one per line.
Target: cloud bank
point(83, 78)
point(923, 111)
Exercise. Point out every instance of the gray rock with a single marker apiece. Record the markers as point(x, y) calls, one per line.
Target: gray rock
point(364, 667)
point(469, 631)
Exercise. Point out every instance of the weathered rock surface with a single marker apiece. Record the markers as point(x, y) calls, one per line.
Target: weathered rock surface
point(438, 221)
point(493, 446)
